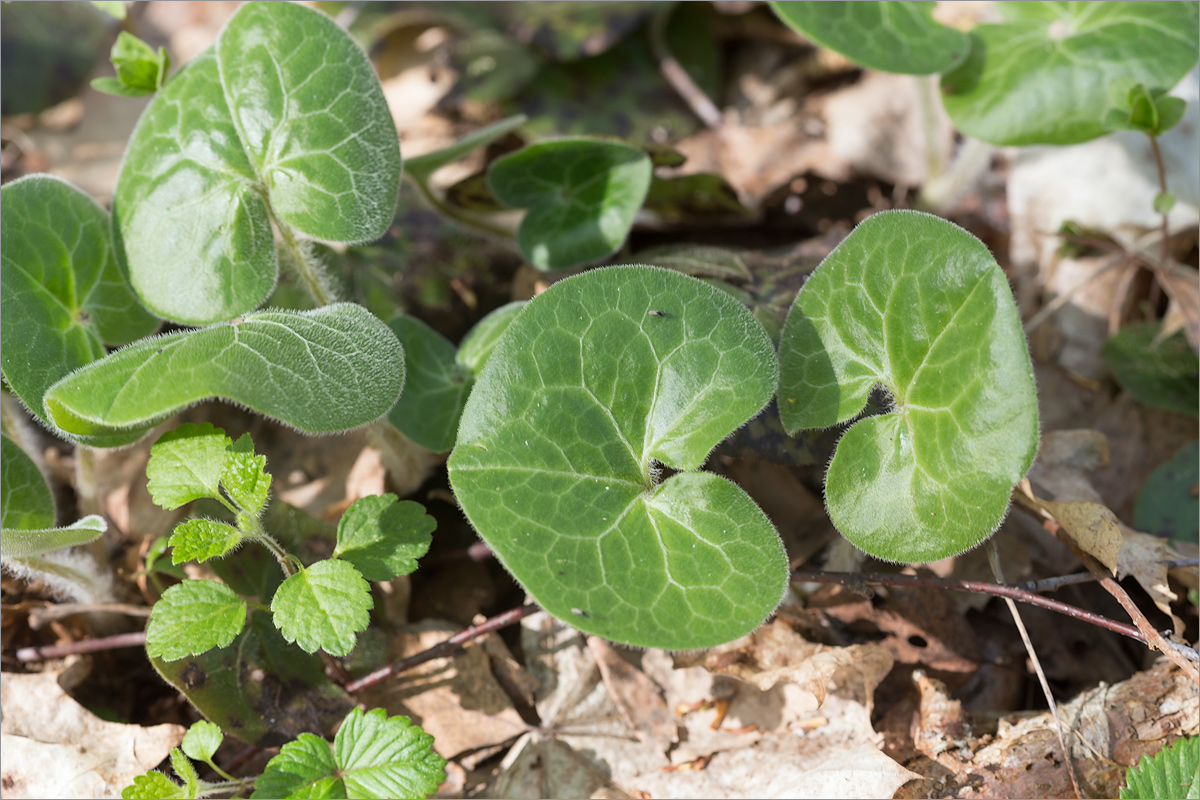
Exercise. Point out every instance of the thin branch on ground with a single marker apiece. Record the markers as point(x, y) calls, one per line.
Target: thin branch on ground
point(994, 562)
point(39, 617)
point(861, 579)
point(135, 639)
point(443, 649)
point(1051, 584)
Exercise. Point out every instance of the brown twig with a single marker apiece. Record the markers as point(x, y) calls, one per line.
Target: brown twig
point(38, 617)
point(981, 587)
point(135, 639)
point(1051, 584)
point(445, 648)
point(1152, 637)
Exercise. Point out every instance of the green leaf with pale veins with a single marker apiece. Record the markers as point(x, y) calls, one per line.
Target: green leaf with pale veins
point(202, 539)
point(61, 295)
point(25, 499)
point(153, 785)
point(323, 606)
point(202, 740)
point(1042, 76)
point(919, 306)
point(888, 36)
point(186, 464)
point(373, 755)
point(192, 617)
point(30, 543)
point(439, 378)
point(601, 378)
point(1174, 772)
point(322, 371)
point(284, 110)
point(384, 538)
point(582, 195)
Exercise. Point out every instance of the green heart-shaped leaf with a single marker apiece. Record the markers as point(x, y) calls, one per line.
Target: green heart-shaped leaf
point(62, 295)
point(25, 499)
point(439, 377)
point(888, 36)
point(1043, 75)
point(321, 371)
point(918, 305)
point(283, 116)
point(601, 378)
point(582, 195)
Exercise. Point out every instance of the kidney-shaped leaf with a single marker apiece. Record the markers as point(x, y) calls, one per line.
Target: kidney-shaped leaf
point(918, 305)
point(62, 294)
point(284, 109)
point(1043, 75)
point(582, 196)
point(890, 36)
point(321, 371)
point(598, 380)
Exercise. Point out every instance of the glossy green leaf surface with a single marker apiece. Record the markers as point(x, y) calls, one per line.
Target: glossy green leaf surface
point(202, 539)
point(30, 543)
point(1166, 505)
point(61, 294)
point(25, 499)
point(192, 617)
point(1173, 772)
point(373, 755)
point(383, 538)
point(1161, 374)
point(601, 378)
point(918, 305)
point(202, 740)
point(439, 377)
point(284, 110)
point(890, 36)
point(323, 606)
point(322, 371)
point(1043, 75)
point(293, 694)
point(582, 196)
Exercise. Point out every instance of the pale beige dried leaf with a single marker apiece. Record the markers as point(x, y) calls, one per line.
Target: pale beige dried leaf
point(639, 698)
point(1092, 527)
point(1182, 287)
point(1144, 557)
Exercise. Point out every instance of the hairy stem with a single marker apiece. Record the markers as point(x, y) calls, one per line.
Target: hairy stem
point(457, 214)
point(307, 267)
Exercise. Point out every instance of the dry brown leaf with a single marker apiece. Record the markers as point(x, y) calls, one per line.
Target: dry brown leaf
point(1093, 528)
point(639, 698)
point(1182, 287)
point(54, 747)
point(1144, 557)
point(538, 766)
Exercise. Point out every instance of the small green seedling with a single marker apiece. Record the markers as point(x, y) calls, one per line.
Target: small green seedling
point(914, 304)
point(440, 376)
point(140, 71)
point(318, 606)
point(30, 545)
point(373, 756)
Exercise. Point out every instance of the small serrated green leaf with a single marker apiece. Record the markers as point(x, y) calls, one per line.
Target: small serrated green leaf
point(186, 464)
point(384, 538)
point(304, 768)
point(153, 786)
point(185, 771)
point(888, 36)
point(202, 740)
point(332, 369)
point(192, 617)
point(373, 756)
point(582, 195)
point(245, 476)
point(1174, 772)
point(202, 539)
point(25, 499)
point(918, 305)
point(322, 607)
point(24, 543)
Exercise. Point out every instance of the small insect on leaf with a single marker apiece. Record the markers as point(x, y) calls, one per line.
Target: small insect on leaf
point(655, 313)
